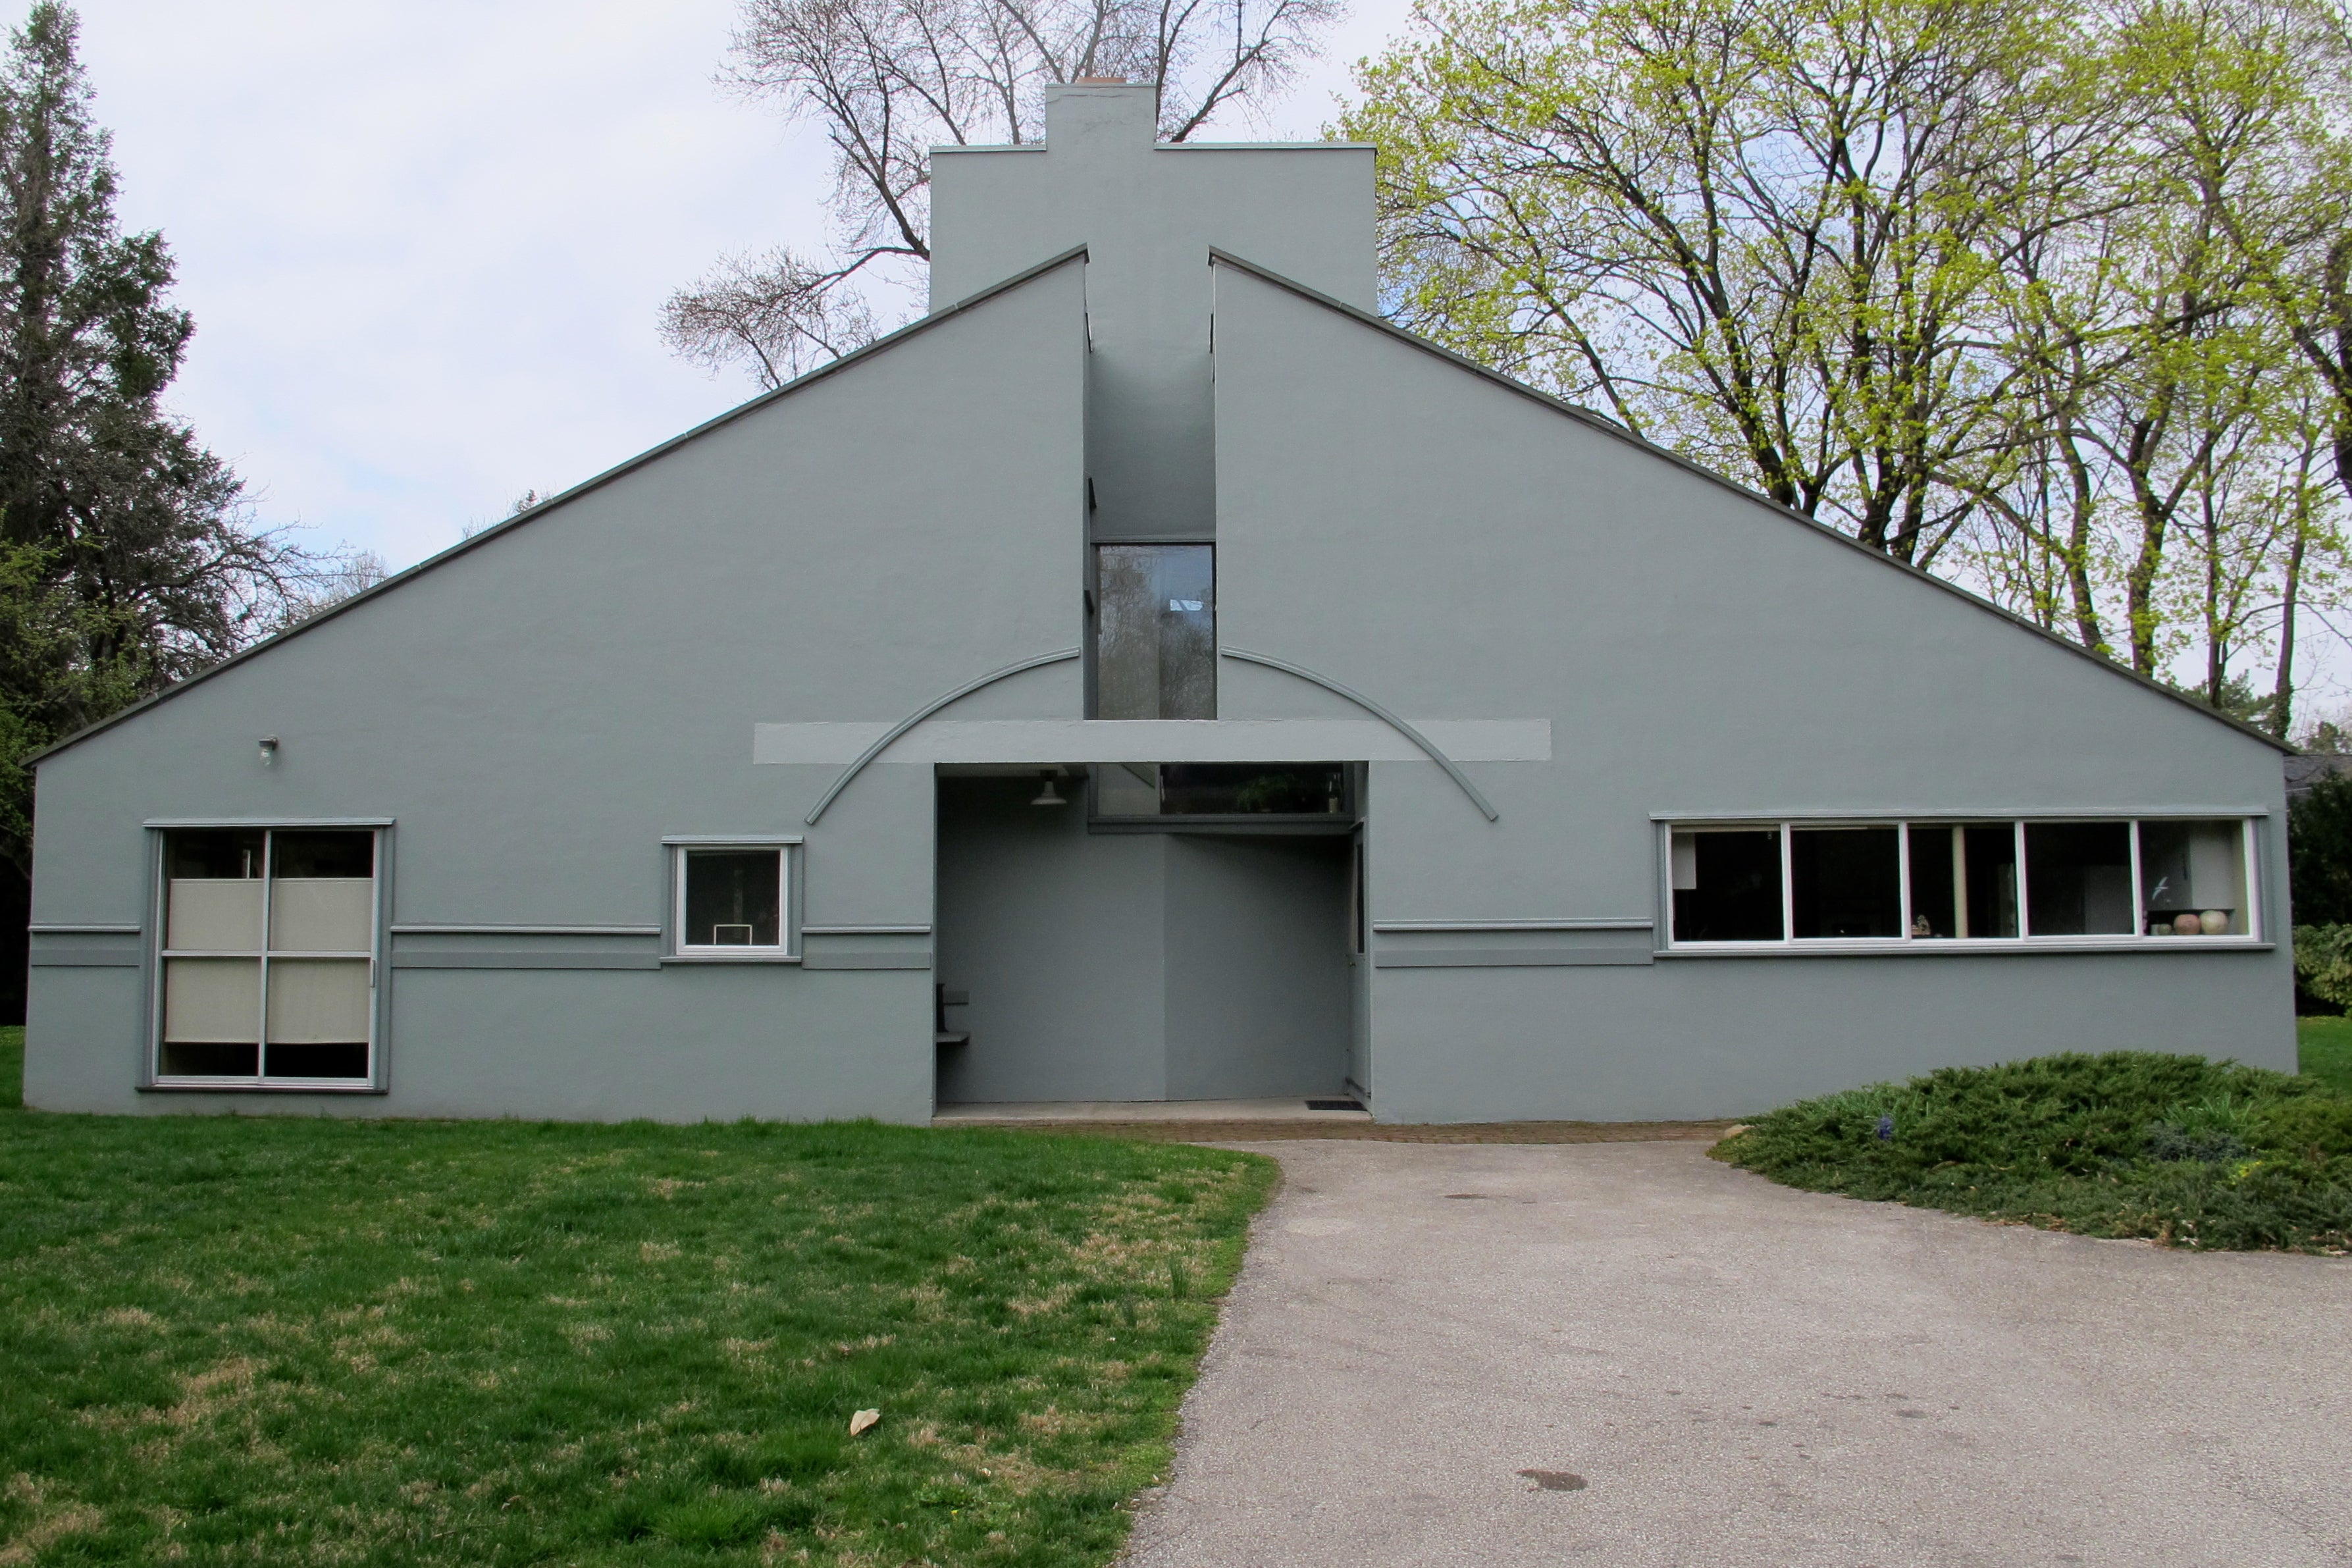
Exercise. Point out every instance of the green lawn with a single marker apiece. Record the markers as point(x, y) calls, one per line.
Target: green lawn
point(2325, 1048)
point(264, 1339)
point(2175, 1149)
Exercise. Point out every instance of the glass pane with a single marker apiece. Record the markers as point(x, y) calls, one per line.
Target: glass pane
point(343, 852)
point(226, 852)
point(1845, 881)
point(206, 915)
point(1934, 876)
point(1987, 893)
point(1727, 885)
point(213, 899)
point(1155, 632)
point(734, 898)
point(322, 914)
point(1126, 789)
point(1246, 789)
point(317, 1001)
point(2078, 878)
point(211, 1000)
point(194, 1058)
point(2194, 877)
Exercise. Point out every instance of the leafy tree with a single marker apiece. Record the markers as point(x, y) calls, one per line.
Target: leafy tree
point(126, 561)
point(889, 79)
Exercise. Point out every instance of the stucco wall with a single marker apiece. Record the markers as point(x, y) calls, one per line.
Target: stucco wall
point(539, 712)
point(1452, 547)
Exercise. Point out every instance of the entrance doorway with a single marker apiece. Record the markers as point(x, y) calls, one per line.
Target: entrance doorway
point(1086, 963)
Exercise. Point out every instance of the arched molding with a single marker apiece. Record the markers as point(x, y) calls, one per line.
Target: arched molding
point(925, 711)
point(1429, 747)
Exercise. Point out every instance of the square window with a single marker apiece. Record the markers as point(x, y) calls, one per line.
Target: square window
point(731, 900)
point(1845, 881)
point(269, 961)
point(2078, 878)
point(2192, 876)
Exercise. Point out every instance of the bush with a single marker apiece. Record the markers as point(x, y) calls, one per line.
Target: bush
point(2176, 1149)
point(2323, 963)
point(2319, 853)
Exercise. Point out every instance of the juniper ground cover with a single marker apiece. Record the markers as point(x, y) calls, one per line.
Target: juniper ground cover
point(2172, 1148)
point(291, 1340)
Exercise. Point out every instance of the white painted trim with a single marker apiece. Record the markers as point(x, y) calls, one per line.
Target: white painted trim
point(296, 824)
point(785, 950)
point(735, 840)
point(62, 928)
point(1866, 816)
point(1514, 925)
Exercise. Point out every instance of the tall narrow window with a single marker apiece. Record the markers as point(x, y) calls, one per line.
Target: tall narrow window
point(1727, 885)
point(1988, 869)
point(268, 956)
point(1155, 631)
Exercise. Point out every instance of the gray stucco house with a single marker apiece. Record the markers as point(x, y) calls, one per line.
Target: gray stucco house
point(1148, 676)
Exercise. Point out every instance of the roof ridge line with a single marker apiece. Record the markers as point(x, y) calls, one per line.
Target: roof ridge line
point(594, 481)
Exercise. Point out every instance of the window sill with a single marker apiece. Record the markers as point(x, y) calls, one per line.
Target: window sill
point(1948, 948)
point(769, 957)
point(246, 1086)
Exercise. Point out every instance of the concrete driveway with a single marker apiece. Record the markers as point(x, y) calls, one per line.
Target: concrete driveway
point(1714, 1370)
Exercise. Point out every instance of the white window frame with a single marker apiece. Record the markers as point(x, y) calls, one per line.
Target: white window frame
point(787, 950)
point(160, 954)
point(2254, 936)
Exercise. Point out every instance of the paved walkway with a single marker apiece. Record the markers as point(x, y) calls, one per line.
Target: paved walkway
point(1712, 1370)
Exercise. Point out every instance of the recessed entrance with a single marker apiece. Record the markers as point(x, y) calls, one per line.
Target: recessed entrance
point(1136, 967)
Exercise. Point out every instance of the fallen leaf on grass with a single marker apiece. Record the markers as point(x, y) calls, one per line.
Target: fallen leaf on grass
point(862, 1420)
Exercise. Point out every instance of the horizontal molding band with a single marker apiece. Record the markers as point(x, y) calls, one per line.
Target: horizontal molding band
point(865, 930)
point(62, 928)
point(511, 959)
point(417, 930)
point(868, 960)
point(85, 958)
point(1509, 957)
point(736, 840)
point(1410, 926)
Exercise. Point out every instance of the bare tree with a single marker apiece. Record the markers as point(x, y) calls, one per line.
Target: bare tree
point(889, 79)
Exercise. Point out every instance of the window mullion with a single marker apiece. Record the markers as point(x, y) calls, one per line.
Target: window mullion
point(1788, 888)
point(2139, 901)
point(2024, 926)
point(261, 1030)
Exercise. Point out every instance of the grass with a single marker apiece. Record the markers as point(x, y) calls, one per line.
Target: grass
point(2175, 1149)
point(2323, 1050)
point(291, 1340)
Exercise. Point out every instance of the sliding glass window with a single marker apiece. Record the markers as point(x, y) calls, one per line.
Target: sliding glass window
point(1893, 884)
point(268, 958)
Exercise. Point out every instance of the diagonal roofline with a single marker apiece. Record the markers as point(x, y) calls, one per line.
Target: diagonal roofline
point(1608, 427)
point(399, 579)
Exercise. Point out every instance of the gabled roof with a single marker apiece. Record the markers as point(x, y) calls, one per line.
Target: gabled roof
point(1610, 427)
point(532, 514)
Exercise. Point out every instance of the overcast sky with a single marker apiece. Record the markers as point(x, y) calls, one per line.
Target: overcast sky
point(425, 242)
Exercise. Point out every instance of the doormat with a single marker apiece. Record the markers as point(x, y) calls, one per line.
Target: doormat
point(1333, 1105)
